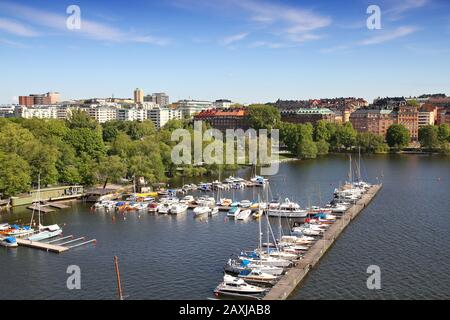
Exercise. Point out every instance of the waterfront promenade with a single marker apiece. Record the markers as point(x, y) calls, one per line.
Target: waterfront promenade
point(294, 276)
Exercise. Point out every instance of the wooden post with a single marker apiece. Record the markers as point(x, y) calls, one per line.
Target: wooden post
point(119, 286)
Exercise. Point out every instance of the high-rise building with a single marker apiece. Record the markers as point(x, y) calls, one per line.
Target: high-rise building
point(159, 98)
point(191, 107)
point(39, 99)
point(161, 115)
point(409, 117)
point(222, 103)
point(138, 96)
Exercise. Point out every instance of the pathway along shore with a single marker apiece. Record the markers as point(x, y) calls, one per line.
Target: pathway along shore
point(289, 282)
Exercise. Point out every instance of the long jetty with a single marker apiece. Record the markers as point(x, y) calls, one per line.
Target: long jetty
point(289, 282)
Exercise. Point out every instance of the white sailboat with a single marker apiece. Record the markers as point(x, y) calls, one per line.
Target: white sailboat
point(44, 232)
point(244, 214)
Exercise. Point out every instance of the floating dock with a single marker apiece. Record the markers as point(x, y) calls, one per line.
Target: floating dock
point(41, 245)
point(43, 208)
point(289, 282)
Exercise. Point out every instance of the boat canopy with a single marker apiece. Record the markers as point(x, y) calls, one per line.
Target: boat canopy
point(10, 240)
point(233, 209)
point(53, 227)
point(245, 272)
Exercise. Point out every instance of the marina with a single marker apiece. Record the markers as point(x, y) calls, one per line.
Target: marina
point(149, 243)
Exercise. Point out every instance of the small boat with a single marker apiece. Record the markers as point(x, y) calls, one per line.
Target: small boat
point(236, 286)
point(234, 204)
point(233, 212)
point(46, 232)
point(259, 181)
point(17, 231)
point(4, 226)
point(206, 201)
point(245, 204)
point(9, 242)
point(244, 214)
point(153, 207)
point(225, 202)
point(287, 209)
point(257, 275)
point(257, 214)
point(214, 211)
point(164, 208)
point(178, 208)
point(255, 258)
point(234, 266)
point(187, 199)
point(201, 211)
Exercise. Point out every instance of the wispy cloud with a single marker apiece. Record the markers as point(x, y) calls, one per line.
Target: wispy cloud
point(399, 7)
point(234, 38)
point(386, 36)
point(13, 44)
point(17, 28)
point(90, 29)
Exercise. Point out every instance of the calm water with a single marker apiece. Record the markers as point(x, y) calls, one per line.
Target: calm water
point(405, 231)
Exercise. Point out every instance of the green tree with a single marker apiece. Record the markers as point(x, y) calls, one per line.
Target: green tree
point(397, 136)
point(444, 133)
point(428, 137)
point(370, 142)
point(14, 173)
point(322, 147)
point(262, 116)
point(321, 131)
point(110, 168)
point(307, 149)
point(80, 119)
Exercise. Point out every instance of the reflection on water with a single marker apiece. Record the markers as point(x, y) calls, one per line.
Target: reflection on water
point(404, 231)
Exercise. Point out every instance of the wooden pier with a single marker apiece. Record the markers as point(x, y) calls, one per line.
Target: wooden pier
point(289, 282)
point(43, 208)
point(41, 245)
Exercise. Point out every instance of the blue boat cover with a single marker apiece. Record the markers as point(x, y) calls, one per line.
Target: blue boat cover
point(10, 240)
point(245, 272)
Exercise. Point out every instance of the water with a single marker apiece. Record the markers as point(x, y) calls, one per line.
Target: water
point(405, 231)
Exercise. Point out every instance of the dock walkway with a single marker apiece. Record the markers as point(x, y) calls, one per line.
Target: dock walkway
point(41, 245)
point(294, 276)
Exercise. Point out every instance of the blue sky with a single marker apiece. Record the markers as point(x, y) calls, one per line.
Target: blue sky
point(245, 50)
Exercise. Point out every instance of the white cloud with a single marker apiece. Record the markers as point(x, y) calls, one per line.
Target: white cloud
point(399, 7)
point(17, 28)
point(389, 36)
point(89, 28)
point(234, 38)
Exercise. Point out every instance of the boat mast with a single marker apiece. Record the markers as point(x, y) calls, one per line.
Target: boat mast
point(350, 176)
point(39, 200)
point(359, 164)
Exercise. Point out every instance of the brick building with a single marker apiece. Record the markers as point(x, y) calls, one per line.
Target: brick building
point(372, 120)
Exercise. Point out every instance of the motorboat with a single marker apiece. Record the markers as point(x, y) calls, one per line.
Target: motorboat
point(178, 208)
point(245, 204)
point(164, 208)
point(225, 202)
point(258, 214)
point(256, 258)
point(306, 231)
point(206, 201)
point(201, 211)
point(274, 204)
point(4, 226)
point(153, 207)
point(17, 231)
point(214, 211)
point(9, 242)
point(187, 199)
point(287, 209)
point(259, 181)
point(244, 214)
point(236, 266)
point(257, 275)
point(236, 286)
point(46, 232)
point(233, 212)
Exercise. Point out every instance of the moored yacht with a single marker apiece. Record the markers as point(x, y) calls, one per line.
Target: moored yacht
point(236, 286)
point(287, 209)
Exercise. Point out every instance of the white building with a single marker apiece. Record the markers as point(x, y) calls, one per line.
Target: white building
point(222, 103)
point(161, 115)
point(7, 111)
point(41, 112)
point(426, 118)
point(190, 107)
point(131, 114)
point(102, 114)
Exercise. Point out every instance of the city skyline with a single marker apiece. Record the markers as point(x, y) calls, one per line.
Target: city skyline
point(245, 51)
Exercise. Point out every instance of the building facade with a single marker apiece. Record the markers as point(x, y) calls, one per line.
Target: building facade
point(305, 115)
point(191, 107)
point(48, 98)
point(223, 119)
point(408, 116)
point(372, 120)
point(161, 115)
point(138, 96)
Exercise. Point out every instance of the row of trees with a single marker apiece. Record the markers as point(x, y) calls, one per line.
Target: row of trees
point(81, 151)
point(308, 141)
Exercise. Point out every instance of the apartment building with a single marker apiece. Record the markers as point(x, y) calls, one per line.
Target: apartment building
point(372, 120)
